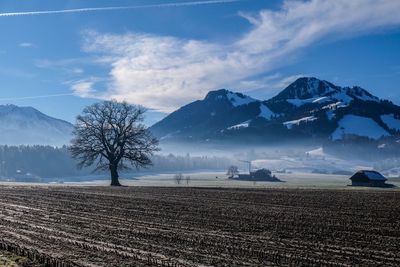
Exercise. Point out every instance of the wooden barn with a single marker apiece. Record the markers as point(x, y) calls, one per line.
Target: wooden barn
point(259, 175)
point(368, 178)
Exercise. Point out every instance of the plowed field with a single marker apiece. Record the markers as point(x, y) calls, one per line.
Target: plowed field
point(150, 226)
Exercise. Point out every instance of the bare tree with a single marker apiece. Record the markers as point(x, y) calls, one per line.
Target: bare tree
point(111, 135)
point(187, 178)
point(232, 171)
point(178, 178)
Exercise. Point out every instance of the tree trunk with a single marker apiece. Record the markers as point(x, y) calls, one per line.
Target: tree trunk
point(114, 175)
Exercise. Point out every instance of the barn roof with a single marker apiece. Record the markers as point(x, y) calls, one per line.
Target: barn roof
point(372, 175)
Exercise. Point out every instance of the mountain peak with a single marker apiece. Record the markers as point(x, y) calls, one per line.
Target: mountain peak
point(217, 94)
point(27, 112)
point(234, 98)
point(312, 90)
point(29, 126)
point(306, 87)
point(7, 107)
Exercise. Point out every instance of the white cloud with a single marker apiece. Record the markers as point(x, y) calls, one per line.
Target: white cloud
point(83, 88)
point(26, 45)
point(77, 71)
point(163, 72)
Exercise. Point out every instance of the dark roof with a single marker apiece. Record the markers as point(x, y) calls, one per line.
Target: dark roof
point(368, 174)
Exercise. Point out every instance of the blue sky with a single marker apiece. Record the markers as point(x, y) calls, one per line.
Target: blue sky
point(166, 55)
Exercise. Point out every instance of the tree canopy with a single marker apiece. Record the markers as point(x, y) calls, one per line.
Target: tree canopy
point(112, 136)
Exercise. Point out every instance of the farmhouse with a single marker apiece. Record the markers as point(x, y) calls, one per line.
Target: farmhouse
point(368, 178)
point(259, 175)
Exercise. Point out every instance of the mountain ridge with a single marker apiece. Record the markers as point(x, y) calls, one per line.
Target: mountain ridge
point(307, 108)
point(29, 126)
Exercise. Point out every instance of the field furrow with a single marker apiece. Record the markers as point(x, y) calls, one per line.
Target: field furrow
point(139, 226)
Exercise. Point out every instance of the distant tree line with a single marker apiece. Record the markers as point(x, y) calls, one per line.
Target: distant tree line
point(28, 162)
point(358, 147)
point(186, 163)
point(41, 161)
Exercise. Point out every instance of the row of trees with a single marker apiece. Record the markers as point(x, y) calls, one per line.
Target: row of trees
point(364, 148)
point(173, 163)
point(42, 161)
point(51, 162)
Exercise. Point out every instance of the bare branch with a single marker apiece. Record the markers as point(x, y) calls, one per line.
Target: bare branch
point(112, 135)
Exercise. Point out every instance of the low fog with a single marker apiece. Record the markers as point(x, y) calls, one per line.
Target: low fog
point(55, 164)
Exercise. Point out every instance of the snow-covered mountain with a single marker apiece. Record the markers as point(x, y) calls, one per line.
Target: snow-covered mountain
point(28, 126)
point(308, 108)
point(311, 90)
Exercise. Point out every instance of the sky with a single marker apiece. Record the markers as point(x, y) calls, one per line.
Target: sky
point(59, 56)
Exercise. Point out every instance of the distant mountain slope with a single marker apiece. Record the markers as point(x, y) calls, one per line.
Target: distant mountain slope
point(218, 109)
point(308, 108)
point(28, 126)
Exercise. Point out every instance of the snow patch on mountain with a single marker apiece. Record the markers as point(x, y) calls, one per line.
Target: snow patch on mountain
point(381, 146)
point(335, 106)
point(361, 126)
point(239, 99)
point(341, 98)
point(240, 125)
point(301, 102)
point(298, 102)
point(321, 99)
point(317, 152)
point(265, 112)
point(391, 122)
point(290, 124)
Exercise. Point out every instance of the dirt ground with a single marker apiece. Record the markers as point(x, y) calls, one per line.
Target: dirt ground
point(8, 259)
point(184, 226)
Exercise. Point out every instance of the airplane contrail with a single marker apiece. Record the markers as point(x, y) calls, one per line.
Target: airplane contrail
point(92, 9)
point(34, 97)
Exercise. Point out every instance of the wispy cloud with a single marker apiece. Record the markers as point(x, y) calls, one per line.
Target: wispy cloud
point(25, 44)
point(164, 72)
point(67, 66)
point(93, 9)
point(83, 88)
point(77, 70)
point(46, 63)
